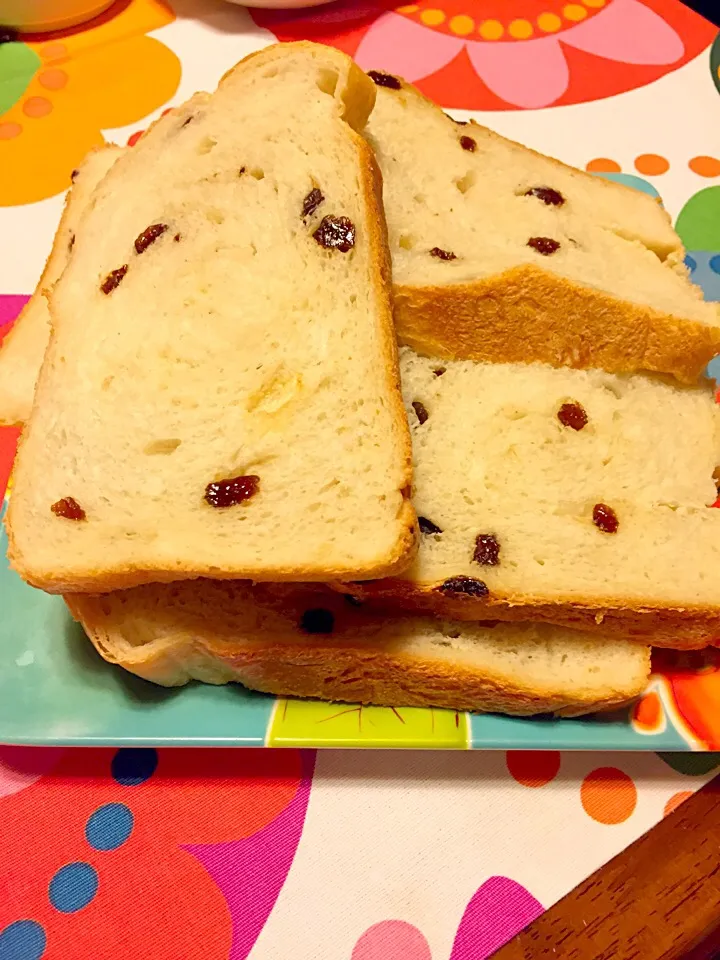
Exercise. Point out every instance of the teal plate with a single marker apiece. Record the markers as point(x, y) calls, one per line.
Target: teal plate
point(56, 690)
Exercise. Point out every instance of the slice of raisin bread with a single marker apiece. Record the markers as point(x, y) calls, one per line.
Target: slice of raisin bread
point(220, 395)
point(22, 350)
point(502, 254)
point(307, 643)
point(572, 496)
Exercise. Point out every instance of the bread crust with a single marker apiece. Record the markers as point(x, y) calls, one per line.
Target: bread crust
point(357, 93)
point(677, 628)
point(341, 671)
point(22, 349)
point(526, 314)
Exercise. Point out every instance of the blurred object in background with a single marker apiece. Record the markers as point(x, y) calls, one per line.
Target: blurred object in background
point(44, 15)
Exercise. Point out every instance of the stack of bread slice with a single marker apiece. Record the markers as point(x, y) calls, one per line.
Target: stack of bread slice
point(232, 473)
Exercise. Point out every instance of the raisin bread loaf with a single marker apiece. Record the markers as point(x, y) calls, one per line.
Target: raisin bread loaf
point(22, 350)
point(310, 644)
point(572, 496)
point(220, 395)
point(502, 254)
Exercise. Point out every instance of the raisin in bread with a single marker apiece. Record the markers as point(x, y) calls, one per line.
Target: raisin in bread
point(310, 644)
point(502, 254)
point(220, 395)
point(22, 350)
point(572, 496)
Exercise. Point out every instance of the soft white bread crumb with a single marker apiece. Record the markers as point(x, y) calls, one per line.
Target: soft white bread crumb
point(492, 458)
point(22, 350)
point(235, 344)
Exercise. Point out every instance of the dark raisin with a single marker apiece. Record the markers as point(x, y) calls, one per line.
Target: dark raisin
point(467, 143)
point(8, 35)
point(439, 371)
point(176, 238)
point(487, 550)
point(68, 508)
point(384, 80)
point(605, 518)
point(312, 201)
point(353, 601)
point(442, 254)
point(337, 233)
point(74, 175)
point(71, 242)
point(467, 586)
point(241, 171)
point(113, 279)
point(420, 410)
point(427, 526)
point(572, 415)
point(543, 245)
point(226, 493)
point(148, 236)
point(317, 621)
point(549, 196)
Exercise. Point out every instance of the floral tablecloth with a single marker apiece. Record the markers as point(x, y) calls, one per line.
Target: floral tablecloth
point(344, 855)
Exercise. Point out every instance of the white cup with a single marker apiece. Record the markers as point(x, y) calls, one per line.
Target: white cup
point(43, 15)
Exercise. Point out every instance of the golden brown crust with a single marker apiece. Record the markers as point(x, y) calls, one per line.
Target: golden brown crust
point(527, 314)
point(677, 628)
point(341, 671)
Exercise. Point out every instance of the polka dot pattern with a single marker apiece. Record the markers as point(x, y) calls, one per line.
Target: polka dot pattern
point(53, 79)
point(491, 30)
point(574, 12)
point(22, 940)
point(602, 165)
point(691, 764)
point(462, 25)
point(521, 29)
point(714, 263)
point(432, 18)
point(73, 887)
point(533, 768)
point(549, 22)
point(109, 826)
point(8, 131)
point(132, 766)
point(651, 164)
point(675, 800)
point(37, 107)
point(392, 940)
point(608, 795)
point(705, 166)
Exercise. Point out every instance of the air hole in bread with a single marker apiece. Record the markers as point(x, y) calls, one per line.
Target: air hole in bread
point(419, 198)
point(214, 215)
point(464, 183)
point(353, 298)
point(257, 173)
point(206, 145)
point(452, 634)
point(327, 81)
point(270, 72)
point(407, 241)
point(164, 446)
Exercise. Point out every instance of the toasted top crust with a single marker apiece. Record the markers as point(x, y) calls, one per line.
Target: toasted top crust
point(502, 254)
